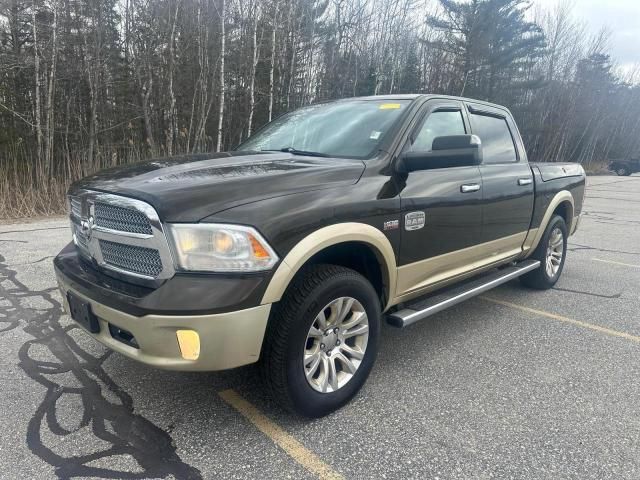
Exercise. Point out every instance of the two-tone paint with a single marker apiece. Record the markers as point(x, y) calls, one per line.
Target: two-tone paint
point(338, 210)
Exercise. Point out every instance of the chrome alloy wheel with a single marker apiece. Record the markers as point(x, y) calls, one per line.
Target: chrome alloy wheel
point(555, 252)
point(335, 345)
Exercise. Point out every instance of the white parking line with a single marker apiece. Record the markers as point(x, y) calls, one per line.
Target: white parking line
point(615, 263)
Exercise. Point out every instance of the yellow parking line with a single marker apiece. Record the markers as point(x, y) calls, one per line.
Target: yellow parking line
point(616, 263)
point(290, 445)
point(579, 323)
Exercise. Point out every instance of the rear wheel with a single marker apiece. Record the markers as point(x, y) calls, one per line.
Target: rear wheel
point(551, 252)
point(321, 342)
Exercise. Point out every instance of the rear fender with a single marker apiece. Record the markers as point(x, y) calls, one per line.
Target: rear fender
point(535, 234)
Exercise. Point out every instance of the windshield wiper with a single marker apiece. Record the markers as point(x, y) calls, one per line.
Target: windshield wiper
point(295, 151)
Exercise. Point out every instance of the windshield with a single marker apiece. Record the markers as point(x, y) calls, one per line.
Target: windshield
point(350, 129)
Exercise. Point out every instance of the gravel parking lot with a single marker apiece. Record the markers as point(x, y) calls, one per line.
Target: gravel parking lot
point(515, 384)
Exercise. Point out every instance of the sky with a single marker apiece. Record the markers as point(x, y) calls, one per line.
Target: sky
point(621, 17)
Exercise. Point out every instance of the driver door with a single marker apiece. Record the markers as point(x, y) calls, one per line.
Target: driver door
point(441, 207)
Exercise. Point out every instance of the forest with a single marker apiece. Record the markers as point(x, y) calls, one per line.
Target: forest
point(90, 84)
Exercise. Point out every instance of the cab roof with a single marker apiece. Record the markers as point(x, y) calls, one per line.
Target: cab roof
point(416, 96)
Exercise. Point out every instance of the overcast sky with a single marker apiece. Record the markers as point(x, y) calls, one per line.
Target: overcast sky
point(622, 17)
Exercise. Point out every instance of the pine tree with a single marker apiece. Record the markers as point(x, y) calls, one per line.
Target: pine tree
point(493, 44)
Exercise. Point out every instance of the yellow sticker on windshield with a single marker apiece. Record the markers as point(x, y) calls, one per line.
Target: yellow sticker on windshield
point(389, 106)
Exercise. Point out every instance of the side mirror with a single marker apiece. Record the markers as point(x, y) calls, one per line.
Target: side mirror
point(446, 152)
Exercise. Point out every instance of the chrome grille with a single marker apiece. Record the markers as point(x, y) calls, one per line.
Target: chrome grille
point(140, 260)
point(121, 219)
point(123, 236)
point(81, 240)
point(76, 206)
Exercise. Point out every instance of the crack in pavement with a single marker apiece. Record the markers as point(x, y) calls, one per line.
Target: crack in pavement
point(579, 247)
point(108, 413)
point(629, 180)
point(32, 263)
point(591, 294)
point(33, 230)
point(609, 219)
point(613, 198)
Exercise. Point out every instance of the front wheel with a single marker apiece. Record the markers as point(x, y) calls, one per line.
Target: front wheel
point(551, 252)
point(623, 171)
point(322, 340)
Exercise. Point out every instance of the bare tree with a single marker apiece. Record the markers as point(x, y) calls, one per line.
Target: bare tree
point(86, 84)
point(223, 85)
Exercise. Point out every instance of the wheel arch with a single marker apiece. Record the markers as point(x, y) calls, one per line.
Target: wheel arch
point(565, 210)
point(562, 204)
point(330, 243)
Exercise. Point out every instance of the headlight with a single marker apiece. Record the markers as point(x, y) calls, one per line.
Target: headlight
point(211, 247)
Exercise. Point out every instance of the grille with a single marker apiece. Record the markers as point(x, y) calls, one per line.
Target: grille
point(140, 260)
point(80, 238)
point(76, 206)
point(121, 219)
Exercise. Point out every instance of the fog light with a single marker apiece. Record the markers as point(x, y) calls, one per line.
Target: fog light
point(189, 342)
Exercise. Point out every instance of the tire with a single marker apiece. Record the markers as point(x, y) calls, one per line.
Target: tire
point(545, 277)
point(288, 340)
point(623, 171)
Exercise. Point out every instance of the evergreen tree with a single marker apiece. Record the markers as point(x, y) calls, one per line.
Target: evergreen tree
point(494, 45)
point(410, 81)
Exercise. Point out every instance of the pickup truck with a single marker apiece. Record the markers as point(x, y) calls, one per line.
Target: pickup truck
point(292, 249)
point(625, 167)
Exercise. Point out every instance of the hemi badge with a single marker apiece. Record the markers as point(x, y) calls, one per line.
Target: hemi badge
point(414, 221)
point(391, 225)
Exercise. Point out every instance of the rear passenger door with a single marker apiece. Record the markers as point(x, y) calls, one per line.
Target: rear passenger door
point(507, 180)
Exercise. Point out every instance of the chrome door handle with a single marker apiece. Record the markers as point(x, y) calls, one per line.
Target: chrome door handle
point(524, 181)
point(470, 187)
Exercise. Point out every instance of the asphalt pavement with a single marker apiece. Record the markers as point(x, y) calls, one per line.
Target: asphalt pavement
point(515, 384)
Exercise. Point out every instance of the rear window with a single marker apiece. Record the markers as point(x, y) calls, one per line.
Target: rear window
point(497, 142)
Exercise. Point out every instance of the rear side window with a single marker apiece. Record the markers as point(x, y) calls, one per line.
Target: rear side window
point(497, 142)
point(438, 124)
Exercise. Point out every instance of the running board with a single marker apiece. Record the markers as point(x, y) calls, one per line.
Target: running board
point(423, 308)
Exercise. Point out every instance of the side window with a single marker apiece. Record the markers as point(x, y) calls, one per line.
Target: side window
point(497, 142)
point(438, 124)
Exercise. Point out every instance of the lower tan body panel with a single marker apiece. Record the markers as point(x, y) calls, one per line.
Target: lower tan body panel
point(421, 277)
point(227, 340)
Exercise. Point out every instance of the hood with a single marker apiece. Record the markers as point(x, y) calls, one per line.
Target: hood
point(191, 187)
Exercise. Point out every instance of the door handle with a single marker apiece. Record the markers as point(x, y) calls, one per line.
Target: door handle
point(470, 187)
point(524, 181)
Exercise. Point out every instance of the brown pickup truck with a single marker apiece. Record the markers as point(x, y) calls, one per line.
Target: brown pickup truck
point(292, 249)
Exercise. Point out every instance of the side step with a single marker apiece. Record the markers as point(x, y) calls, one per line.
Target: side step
point(425, 307)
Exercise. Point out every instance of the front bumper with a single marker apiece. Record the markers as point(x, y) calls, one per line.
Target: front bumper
point(227, 340)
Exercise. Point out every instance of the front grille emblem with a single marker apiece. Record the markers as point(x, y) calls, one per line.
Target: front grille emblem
point(85, 226)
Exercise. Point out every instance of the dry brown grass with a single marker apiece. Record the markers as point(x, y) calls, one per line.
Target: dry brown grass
point(29, 189)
